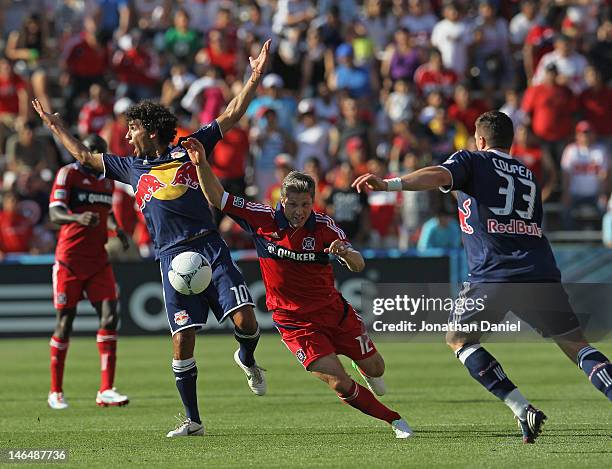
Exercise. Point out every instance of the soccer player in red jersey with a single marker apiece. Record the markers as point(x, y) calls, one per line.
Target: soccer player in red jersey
point(81, 203)
point(315, 322)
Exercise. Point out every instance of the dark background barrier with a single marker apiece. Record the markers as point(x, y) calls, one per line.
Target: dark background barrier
point(26, 307)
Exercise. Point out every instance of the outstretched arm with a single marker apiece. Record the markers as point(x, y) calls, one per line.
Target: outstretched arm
point(209, 183)
point(80, 152)
point(238, 106)
point(424, 179)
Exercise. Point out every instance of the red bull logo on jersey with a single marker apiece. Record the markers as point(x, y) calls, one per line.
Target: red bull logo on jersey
point(186, 175)
point(464, 213)
point(166, 182)
point(148, 184)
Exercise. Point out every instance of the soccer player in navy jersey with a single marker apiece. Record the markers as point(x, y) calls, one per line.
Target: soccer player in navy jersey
point(511, 264)
point(167, 191)
point(315, 322)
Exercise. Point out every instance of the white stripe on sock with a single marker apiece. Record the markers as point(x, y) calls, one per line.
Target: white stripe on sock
point(583, 353)
point(247, 336)
point(605, 377)
point(467, 351)
point(180, 366)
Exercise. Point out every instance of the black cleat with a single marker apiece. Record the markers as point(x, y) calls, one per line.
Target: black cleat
point(532, 425)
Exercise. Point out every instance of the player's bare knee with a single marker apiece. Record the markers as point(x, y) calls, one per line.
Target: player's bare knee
point(374, 366)
point(183, 344)
point(455, 340)
point(378, 369)
point(109, 321)
point(63, 326)
point(244, 319)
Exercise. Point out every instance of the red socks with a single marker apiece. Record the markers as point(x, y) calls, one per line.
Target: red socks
point(58, 348)
point(362, 399)
point(107, 346)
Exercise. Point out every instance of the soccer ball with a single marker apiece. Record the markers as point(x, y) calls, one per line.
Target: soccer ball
point(189, 273)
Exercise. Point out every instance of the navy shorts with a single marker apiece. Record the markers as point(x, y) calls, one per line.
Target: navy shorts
point(544, 306)
point(227, 290)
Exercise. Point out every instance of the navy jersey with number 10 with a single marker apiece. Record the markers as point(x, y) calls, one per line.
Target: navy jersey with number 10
point(500, 214)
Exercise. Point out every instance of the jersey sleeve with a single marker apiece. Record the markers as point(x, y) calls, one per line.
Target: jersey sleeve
point(60, 192)
point(249, 215)
point(459, 166)
point(331, 231)
point(117, 168)
point(208, 136)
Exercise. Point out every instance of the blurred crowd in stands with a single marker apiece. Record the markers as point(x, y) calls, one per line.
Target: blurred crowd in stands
point(354, 86)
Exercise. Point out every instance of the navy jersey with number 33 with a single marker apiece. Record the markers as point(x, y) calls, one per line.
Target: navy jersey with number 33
point(500, 213)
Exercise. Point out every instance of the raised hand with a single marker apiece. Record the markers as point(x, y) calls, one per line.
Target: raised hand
point(259, 64)
point(369, 181)
point(195, 150)
point(53, 121)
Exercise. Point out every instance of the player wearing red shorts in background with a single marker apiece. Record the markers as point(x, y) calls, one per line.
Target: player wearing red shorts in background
point(81, 203)
point(315, 322)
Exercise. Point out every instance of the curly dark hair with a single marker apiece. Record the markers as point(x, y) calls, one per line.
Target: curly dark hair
point(155, 118)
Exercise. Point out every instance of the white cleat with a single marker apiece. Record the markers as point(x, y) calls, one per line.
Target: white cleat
point(255, 376)
point(56, 401)
point(111, 397)
point(401, 429)
point(376, 385)
point(187, 428)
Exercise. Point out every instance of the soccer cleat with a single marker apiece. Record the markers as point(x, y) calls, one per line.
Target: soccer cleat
point(255, 376)
point(376, 385)
point(401, 429)
point(532, 425)
point(111, 397)
point(56, 401)
point(186, 427)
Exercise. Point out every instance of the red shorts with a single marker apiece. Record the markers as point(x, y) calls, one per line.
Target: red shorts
point(68, 287)
point(342, 333)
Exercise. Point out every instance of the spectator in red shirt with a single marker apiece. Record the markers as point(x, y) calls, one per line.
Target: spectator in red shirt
point(13, 100)
point(465, 109)
point(596, 103)
point(384, 212)
point(116, 128)
point(219, 54)
point(85, 59)
point(432, 75)
point(540, 39)
point(16, 230)
point(96, 112)
point(137, 68)
point(357, 154)
point(283, 165)
point(551, 107)
point(539, 163)
point(230, 157)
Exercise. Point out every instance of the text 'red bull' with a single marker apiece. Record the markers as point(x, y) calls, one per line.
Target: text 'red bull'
point(186, 175)
point(148, 184)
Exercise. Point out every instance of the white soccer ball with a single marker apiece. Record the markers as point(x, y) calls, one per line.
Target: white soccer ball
point(189, 273)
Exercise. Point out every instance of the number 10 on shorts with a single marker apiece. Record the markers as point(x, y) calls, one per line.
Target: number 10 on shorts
point(242, 294)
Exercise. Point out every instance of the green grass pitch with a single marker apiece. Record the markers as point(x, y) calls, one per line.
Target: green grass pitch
point(300, 423)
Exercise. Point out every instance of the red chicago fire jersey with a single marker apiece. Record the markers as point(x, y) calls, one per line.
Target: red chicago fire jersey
point(297, 273)
point(79, 190)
